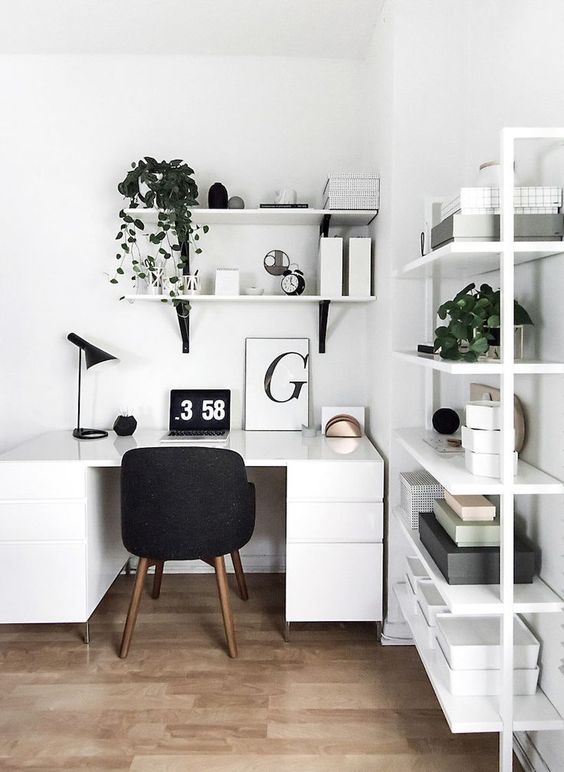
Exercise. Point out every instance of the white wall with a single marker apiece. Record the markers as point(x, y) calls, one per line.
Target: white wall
point(69, 130)
point(461, 71)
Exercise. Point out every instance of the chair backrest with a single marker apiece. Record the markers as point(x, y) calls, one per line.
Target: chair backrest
point(183, 503)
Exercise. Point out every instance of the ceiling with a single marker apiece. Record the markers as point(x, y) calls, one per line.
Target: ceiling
point(302, 28)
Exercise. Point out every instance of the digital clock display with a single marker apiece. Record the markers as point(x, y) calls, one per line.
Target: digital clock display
point(200, 409)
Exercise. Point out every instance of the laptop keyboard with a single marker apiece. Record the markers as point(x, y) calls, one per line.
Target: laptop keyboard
point(196, 433)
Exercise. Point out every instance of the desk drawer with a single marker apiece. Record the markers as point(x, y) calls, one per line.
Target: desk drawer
point(332, 522)
point(42, 520)
point(38, 480)
point(333, 582)
point(335, 480)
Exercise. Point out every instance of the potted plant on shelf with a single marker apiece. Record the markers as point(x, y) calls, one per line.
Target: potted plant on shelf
point(473, 328)
point(170, 187)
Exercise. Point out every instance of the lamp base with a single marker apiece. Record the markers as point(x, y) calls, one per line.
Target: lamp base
point(89, 434)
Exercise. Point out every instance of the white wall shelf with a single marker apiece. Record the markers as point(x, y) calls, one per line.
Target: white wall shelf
point(474, 257)
point(533, 598)
point(483, 367)
point(339, 217)
point(450, 471)
point(287, 299)
point(476, 714)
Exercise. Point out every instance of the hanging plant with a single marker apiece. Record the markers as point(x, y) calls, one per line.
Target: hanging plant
point(170, 187)
point(473, 320)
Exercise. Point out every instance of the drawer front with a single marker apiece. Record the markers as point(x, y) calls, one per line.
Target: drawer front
point(333, 582)
point(42, 520)
point(335, 480)
point(35, 480)
point(42, 582)
point(340, 522)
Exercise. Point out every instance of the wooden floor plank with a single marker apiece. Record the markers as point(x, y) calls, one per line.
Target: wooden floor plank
point(331, 699)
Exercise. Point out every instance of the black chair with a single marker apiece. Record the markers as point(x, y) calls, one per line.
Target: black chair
point(185, 503)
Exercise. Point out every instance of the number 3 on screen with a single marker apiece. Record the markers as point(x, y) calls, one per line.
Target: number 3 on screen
point(211, 409)
point(186, 406)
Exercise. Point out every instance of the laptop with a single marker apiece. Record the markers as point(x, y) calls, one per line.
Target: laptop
point(199, 415)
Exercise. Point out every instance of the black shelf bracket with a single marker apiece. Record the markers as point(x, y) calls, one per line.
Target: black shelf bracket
point(324, 226)
point(323, 318)
point(183, 315)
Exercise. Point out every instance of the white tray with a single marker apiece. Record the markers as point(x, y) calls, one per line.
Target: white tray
point(472, 643)
point(431, 602)
point(431, 638)
point(414, 572)
point(482, 682)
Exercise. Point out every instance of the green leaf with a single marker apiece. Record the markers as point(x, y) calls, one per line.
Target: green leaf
point(206, 228)
point(139, 224)
point(493, 321)
point(120, 271)
point(114, 281)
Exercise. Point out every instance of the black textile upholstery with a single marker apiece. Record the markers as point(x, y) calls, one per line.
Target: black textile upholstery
point(185, 503)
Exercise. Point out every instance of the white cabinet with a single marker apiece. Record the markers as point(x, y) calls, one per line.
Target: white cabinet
point(334, 541)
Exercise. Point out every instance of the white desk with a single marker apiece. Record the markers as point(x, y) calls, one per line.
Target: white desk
point(60, 532)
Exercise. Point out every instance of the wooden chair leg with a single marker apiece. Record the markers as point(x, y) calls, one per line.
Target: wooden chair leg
point(240, 575)
point(159, 567)
point(134, 606)
point(223, 592)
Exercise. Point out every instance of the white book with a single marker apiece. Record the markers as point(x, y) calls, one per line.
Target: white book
point(331, 267)
point(359, 266)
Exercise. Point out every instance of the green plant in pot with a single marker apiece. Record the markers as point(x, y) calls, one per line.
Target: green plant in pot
point(170, 187)
point(473, 317)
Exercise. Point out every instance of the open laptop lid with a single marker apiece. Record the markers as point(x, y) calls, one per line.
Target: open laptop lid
point(200, 409)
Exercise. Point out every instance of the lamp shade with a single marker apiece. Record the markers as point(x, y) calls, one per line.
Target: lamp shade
point(92, 354)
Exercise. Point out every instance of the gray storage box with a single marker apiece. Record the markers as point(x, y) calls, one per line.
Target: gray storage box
point(485, 227)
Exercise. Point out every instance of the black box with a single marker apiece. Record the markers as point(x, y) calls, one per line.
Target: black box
point(471, 565)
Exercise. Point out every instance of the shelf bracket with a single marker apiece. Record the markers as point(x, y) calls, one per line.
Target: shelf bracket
point(183, 315)
point(323, 318)
point(324, 226)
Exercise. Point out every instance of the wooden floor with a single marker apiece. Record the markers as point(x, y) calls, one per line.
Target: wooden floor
point(331, 699)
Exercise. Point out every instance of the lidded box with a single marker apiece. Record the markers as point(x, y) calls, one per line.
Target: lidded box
point(483, 414)
point(418, 491)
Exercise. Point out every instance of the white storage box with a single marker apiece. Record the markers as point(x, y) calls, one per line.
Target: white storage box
point(484, 200)
point(481, 440)
point(484, 533)
point(352, 191)
point(431, 602)
point(227, 281)
point(414, 572)
point(485, 464)
point(473, 643)
point(474, 683)
point(359, 267)
point(331, 267)
point(418, 491)
point(483, 414)
point(430, 631)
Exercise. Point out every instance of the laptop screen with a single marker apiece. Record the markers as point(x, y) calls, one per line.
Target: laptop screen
point(199, 409)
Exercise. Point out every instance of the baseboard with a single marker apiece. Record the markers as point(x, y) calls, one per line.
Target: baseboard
point(252, 564)
point(527, 753)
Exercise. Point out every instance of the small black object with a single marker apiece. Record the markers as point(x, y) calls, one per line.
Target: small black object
point(293, 281)
point(217, 196)
point(425, 348)
point(445, 420)
point(422, 243)
point(125, 425)
point(92, 356)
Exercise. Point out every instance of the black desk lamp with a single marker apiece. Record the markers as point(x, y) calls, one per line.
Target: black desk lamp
point(92, 356)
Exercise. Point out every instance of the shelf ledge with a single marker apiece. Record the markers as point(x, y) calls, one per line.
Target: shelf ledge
point(483, 367)
point(267, 216)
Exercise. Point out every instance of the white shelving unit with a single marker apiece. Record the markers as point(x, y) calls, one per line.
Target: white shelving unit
point(506, 713)
point(322, 218)
point(475, 714)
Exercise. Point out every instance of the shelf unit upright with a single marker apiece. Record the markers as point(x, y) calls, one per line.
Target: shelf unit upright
point(507, 713)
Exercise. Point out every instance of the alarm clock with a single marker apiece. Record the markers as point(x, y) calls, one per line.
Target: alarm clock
point(293, 282)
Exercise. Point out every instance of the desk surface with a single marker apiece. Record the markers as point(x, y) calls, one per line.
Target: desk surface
point(256, 448)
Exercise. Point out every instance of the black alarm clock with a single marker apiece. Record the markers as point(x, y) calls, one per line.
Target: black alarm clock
point(293, 282)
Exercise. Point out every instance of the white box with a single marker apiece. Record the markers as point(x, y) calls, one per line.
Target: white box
point(414, 572)
point(331, 267)
point(411, 598)
point(431, 602)
point(481, 440)
point(474, 683)
point(359, 266)
point(483, 414)
point(485, 464)
point(473, 643)
point(429, 629)
point(471, 507)
point(227, 281)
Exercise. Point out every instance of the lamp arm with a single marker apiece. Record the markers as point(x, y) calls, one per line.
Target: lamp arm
point(79, 384)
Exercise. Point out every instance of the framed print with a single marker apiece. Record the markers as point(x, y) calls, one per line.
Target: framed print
point(276, 383)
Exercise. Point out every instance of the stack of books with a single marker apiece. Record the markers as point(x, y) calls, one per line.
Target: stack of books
point(352, 191)
point(462, 535)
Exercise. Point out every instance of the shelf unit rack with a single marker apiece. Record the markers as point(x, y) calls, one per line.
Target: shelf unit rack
point(506, 713)
point(321, 218)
